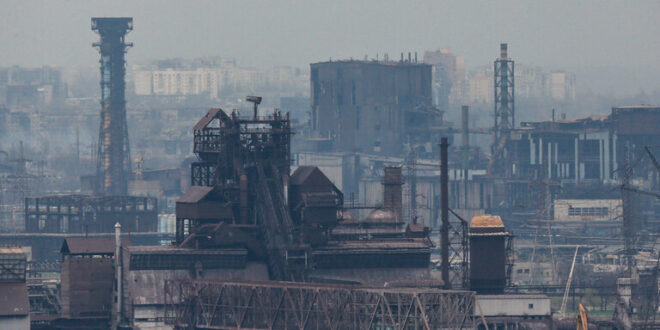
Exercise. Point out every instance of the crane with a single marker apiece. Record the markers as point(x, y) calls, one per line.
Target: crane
point(562, 310)
point(582, 320)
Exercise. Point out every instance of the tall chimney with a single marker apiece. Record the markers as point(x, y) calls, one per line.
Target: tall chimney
point(392, 199)
point(118, 276)
point(503, 51)
point(444, 204)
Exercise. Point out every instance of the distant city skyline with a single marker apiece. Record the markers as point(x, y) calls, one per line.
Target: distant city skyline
point(583, 36)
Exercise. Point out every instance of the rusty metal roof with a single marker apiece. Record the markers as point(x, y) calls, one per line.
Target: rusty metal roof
point(14, 299)
point(90, 245)
point(212, 114)
point(194, 194)
point(301, 174)
point(486, 221)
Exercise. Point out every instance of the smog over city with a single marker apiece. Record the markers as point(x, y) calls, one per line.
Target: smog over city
point(329, 164)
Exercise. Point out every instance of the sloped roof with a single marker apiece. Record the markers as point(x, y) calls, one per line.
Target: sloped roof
point(201, 124)
point(90, 245)
point(194, 194)
point(301, 174)
point(14, 299)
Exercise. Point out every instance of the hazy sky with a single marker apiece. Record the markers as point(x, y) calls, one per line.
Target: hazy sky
point(553, 33)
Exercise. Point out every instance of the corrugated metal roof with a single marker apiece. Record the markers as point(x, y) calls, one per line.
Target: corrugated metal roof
point(194, 194)
point(14, 299)
point(90, 245)
point(201, 124)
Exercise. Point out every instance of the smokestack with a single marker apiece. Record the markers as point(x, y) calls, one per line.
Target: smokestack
point(444, 204)
point(392, 196)
point(118, 275)
point(465, 110)
point(503, 51)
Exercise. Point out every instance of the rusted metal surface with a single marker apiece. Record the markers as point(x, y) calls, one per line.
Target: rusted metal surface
point(86, 289)
point(488, 254)
point(392, 192)
point(289, 305)
point(91, 245)
point(14, 299)
point(113, 157)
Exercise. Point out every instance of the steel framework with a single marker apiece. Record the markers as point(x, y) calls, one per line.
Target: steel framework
point(504, 93)
point(505, 119)
point(113, 158)
point(93, 214)
point(288, 305)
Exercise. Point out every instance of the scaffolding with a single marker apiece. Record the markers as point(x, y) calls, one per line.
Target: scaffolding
point(198, 304)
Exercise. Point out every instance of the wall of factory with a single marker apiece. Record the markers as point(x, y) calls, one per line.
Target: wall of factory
point(513, 305)
point(566, 156)
point(373, 276)
point(361, 105)
point(588, 209)
point(144, 296)
point(86, 286)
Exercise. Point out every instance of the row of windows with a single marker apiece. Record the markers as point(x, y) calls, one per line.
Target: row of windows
point(588, 211)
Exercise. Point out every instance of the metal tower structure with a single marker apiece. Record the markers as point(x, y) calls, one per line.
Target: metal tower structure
point(504, 96)
point(113, 158)
point(504, 110)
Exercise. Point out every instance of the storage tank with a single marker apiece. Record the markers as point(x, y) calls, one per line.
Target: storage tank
point(487, 254)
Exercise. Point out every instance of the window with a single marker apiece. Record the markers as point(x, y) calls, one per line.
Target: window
point(530, 306)
point(588, 211)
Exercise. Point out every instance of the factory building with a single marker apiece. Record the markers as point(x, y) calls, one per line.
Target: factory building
point(585, 150)
point(87, 278)
point(14, 304)
point(373, 107)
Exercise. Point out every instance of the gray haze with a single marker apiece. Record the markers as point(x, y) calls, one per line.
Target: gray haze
point(583, 36)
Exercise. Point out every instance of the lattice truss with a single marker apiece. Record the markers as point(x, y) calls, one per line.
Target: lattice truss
point(458, 255)
point(459, 252)
point(291, 305)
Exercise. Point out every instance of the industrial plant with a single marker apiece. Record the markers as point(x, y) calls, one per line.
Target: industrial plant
point(393, 192)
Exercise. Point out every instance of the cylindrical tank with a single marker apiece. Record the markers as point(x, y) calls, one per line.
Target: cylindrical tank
point(487, 254)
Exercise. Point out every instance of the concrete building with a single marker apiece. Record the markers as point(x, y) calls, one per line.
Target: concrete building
point(373, 107)
point(513, 311)
point(585, 150)
point(588, 209)
point(449, 79)
point(560, 85)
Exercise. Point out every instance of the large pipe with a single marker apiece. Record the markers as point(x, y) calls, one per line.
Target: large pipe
point(444, 202)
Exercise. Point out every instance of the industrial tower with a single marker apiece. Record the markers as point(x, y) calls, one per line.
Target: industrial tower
point(504, 108)
point(113, 168)
point(504, 97)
